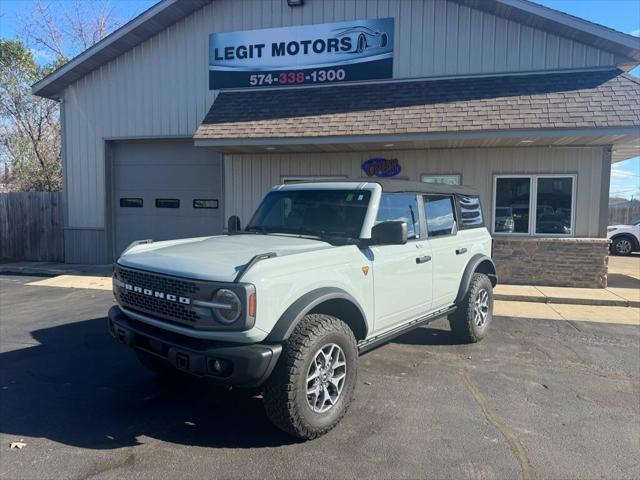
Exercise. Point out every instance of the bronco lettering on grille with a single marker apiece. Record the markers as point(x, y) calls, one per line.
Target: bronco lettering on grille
point(152, 293)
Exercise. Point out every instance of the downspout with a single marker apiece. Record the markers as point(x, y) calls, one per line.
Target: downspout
point(605, 179)
point(65, 180)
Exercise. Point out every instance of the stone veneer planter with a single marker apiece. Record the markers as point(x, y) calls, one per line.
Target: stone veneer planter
point(557, 262)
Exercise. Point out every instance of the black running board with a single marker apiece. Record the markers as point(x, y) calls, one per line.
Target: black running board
point(373, 342)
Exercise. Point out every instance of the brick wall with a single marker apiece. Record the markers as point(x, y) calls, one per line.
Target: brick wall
point(559, 262)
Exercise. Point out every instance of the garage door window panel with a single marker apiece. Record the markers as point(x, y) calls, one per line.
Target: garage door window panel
point(131, 203)
point(205, 203)
point(167, 203)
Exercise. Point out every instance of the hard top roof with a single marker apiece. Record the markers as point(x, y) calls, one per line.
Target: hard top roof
point(401, 186)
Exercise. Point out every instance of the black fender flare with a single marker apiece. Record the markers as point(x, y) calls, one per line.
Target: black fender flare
point(473, 264)
point(305, 304)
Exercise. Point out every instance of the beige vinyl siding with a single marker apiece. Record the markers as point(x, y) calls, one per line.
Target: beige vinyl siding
point(249, 177)
point(160, 87)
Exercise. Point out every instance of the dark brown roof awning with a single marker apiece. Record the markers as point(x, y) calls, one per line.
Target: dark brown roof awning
point(584, 100)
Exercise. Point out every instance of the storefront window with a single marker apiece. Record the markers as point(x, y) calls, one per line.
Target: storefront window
point(513, 195)
point(554, 205)
point(445, 179)
point(534, 204)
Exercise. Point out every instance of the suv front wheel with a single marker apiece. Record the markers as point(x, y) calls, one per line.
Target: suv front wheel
point(470, 322)
point(622, 246)
point(313, 383)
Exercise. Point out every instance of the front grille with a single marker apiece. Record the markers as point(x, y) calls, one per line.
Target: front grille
point(162, 283)
point(158, 307)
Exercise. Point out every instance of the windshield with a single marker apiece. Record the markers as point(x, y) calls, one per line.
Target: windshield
point(322, 213)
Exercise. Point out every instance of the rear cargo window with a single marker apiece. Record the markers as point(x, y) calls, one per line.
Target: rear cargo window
point(131, 203)
point(470, 212)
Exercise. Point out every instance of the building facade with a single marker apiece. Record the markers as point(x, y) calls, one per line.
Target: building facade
point(179, 119)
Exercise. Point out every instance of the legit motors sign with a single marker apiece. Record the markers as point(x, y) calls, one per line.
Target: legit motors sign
point(311, 54)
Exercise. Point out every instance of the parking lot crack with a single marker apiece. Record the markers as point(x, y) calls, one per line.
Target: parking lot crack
point(513, 441)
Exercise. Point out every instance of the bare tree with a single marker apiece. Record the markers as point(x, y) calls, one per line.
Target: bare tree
point(29, 125)
point(64, 29)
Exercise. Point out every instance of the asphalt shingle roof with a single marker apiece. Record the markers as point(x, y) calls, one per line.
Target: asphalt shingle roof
point(537, 101)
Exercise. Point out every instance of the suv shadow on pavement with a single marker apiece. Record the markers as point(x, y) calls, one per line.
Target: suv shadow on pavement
point(429, 336)
point(79, 388)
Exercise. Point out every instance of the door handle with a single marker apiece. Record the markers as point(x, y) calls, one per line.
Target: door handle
point(460, 251)
point(424, 259)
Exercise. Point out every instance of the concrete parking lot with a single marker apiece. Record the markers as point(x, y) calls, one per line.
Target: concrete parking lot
point(536, 399)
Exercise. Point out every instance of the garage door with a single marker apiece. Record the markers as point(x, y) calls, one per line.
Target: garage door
point(165, 190)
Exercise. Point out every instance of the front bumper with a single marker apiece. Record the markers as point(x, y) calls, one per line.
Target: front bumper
point(247, 366)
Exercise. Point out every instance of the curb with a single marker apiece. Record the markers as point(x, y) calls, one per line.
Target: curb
point(37, 272)
point(567, 300)
point(47, 272)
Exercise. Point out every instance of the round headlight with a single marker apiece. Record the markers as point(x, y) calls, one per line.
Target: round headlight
point(227, 297)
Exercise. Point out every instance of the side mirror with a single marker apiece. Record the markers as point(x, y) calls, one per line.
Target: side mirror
point(233, 224)
point(392, 232)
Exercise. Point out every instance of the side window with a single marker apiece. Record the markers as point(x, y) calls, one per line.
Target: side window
point(470, 212)
point(439, 211)
point(394, 206)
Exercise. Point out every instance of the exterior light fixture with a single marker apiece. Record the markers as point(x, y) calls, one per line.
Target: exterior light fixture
point(270, 148)
point(387, 145)
point(526, 141)
point(295, 3)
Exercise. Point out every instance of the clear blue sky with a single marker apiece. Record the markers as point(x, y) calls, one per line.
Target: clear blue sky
point(621, 15)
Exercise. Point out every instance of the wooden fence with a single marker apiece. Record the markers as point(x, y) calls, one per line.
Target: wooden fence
point(31, 226)
point(623, 213)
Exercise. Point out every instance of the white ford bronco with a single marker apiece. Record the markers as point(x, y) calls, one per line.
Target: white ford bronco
point(322, 273)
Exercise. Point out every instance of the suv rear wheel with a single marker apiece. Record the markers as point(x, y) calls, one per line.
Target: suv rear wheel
point(312, 385)
point(470, 322)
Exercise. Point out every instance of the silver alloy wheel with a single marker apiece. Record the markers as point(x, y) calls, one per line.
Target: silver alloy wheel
point(623, 246)
point(326, 378)
point(481, 308)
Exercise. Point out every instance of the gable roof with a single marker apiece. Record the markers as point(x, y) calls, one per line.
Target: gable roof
point(595, 100)
point(563, 24)
point(167, 12)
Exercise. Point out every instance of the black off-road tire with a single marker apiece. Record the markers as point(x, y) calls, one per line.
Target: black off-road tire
point(622, 246)
point(463, 321)
point(285, 394)
point(161, 369)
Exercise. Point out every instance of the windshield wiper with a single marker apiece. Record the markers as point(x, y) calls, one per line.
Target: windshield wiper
point(257, 229)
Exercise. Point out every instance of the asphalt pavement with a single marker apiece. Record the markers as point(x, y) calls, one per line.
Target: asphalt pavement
point(536, 399)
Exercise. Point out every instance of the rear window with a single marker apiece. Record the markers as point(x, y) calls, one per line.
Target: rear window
point(470, 212)
point(440, 214)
